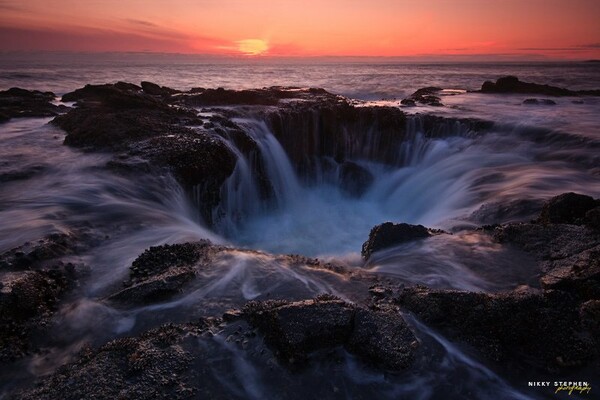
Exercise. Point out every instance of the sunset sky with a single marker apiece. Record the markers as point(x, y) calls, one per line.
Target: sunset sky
point(556, 29)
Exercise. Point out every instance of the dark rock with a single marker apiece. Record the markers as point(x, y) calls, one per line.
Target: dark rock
point(592, 218)
point(426, 95)
point(354, 179)
point(567, 253)
point(382, 339)
point(544, 330)
point(39, 253)
point(21, 174)
point(513, 211)
point(160, 273)
point(128, 86)
point(543, 102)
point(154, 365)
point(389, 234)
point(27, 301)
point(220, 97)
point(297, 329)
point(579, 275)
point(21, 103)
point(512, 84)
point(156, 260)
point(567, 208)
point(117, 96)
point(155, 90)
point(122, 118)
point(335, 129)
point(590, 317)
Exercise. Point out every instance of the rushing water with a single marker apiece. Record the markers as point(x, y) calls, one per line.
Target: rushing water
point(530, 153)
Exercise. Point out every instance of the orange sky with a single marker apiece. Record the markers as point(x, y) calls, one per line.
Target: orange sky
point(557, 29)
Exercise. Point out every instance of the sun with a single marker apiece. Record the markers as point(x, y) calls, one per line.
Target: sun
point(252, 47)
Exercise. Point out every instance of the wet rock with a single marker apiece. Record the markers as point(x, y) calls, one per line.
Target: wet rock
point(592, 218)
point(160, 272)
point(155, 365)
point(512, 84)
point(544, 330)
point(389, 234)
point(21, 103)
point(566, 255)
point(128, 86)
point(590, 317)
point(567, 208)
point(221, 97)
point(579, 274)
point(21, 174)
point(502, 213)
point(567, 252)
point(333, 128)
point(539, 102)
point(38, 253)
point(425, 96)
point(109, 117)
point(145, 127)
point(116, 96)
point(354, 179)
point(299, 328)
point(382, 339)
point(27, 301)
point(156, 90)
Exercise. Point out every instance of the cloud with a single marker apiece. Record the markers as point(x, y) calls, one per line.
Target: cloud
point(580, 47)
point(141, 22)
point(10, 6)
point(591, 46)
point(74, 39)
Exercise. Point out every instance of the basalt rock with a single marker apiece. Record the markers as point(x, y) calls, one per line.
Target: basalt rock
point(336, 129)
point(539, 102)
point(122, 118)
point(111, 117)
point(223, 97)
point(160, 272)
point(543, 330)
point(389, 234)
point(502, 213)
point(21, 103)
point(296, 329)
point(32, 255)
point(512, 84)
point(157, 364)
point(425, 96)
point(567, 208)
point(592, 218)
point(27, 301)
point(567, 251)
point(156, 90)
point(354, 179)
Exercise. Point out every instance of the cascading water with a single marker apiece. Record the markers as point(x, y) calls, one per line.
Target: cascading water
point(435, 181)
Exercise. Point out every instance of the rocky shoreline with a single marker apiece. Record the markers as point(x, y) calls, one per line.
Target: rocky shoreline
point(553, 328)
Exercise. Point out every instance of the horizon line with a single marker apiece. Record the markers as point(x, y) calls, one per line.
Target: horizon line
point(498, 57)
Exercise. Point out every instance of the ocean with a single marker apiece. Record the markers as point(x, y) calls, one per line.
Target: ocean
point(532, 152)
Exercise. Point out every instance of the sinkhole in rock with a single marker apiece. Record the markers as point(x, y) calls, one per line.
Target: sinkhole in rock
point(318, 203)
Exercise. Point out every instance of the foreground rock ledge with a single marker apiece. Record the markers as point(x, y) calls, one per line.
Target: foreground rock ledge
point(177, 361)
point(295, 329)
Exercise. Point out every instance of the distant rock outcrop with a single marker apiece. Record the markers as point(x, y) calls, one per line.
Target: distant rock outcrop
point(512, 84)
point(21, 103)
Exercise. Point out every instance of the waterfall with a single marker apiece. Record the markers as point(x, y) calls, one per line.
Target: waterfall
point(322, 204)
